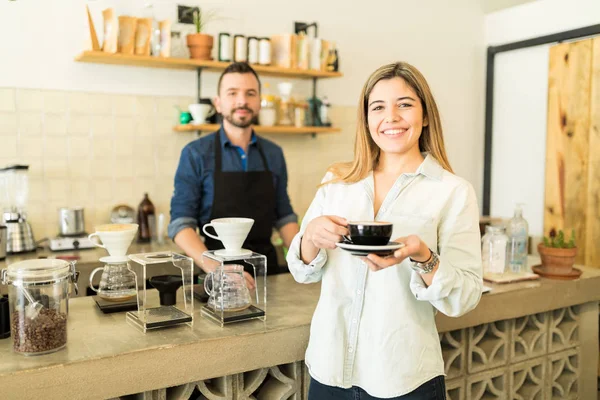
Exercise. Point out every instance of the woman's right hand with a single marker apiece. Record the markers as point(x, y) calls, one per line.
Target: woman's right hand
point(325, 231)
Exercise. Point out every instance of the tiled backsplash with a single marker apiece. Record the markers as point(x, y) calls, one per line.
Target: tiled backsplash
point(99, 150)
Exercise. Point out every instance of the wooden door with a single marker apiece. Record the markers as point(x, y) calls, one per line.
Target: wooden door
point(572, 184)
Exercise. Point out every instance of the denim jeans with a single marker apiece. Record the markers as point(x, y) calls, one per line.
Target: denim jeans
point(434, 389)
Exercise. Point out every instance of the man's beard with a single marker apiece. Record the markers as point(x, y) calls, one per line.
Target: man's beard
point(246, 122)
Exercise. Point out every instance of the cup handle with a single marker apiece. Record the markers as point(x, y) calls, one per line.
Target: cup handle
point(91, 276)
point(94, 242)
point(208, 292)
point(208, 234)
point(347, 238)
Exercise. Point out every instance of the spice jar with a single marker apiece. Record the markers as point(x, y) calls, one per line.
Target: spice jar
point(38, 292)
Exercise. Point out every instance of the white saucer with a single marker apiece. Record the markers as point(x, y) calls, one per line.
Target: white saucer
point(233, 253)
point(361, 250)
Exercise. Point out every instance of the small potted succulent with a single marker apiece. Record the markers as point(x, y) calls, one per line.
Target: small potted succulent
point(200, 44)
point(557, 254)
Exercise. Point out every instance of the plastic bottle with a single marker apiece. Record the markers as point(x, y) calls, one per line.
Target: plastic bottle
point(517, 231)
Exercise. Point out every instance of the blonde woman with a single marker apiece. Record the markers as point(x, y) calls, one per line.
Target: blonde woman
point(373, 333)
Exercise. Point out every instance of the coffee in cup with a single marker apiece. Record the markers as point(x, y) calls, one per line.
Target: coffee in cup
point(232, 232)
point(115, 238)
point(370, 233)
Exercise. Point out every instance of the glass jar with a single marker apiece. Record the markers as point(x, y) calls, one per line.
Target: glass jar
point(267, 116)
point(38, 292)
point(493, 249)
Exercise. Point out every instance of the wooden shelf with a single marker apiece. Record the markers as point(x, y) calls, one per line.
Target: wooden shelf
point(289, 130)
point(100, 57)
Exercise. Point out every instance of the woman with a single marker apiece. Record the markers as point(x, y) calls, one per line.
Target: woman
point(373, 333)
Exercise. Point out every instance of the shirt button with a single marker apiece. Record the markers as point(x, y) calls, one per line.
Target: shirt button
point(354, 321)
point(358, 291)
point(350, 349)
point(243, 156)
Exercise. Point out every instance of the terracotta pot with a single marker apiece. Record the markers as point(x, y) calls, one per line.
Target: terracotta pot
point(200, 46)
point(557, 261)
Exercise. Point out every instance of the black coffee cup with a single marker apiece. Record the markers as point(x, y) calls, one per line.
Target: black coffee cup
point(370, 233)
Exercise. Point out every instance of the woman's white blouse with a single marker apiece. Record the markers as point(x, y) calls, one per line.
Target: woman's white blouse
point(376, 330)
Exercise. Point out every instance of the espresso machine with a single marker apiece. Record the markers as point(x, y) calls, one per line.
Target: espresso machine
point(19, 235)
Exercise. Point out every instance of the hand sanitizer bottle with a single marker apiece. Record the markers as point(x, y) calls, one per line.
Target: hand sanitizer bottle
point(517, 231)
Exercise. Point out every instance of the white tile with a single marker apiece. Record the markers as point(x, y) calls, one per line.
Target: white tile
point(8, 149)
point(55, 101)
point(56, 168)
point(124, 105)
point(102, 125)
point(79, 147)
point(8, 123)
point(124, 192)
point(124, 168)
point(102, 148)
point(30, 100)
point(80, 191)
point(79, 125)
point(166, 107)
point(31, 147)
point(56, 147)
point(124, 147)
point(168, 148)
point(55, 124)
point(36, 191)
point(167, 167)
point(145, 106)
point(7, 99)
point(100, 104)
point(144, 167)
point(58, 190)
point(36, 167)
point(30, 123)
point(78, 103)
point(144, 127)
point(79, 168)
point(103, 190)
point(124, 126)
point(102, 168)
point(143, 185)
point(164, 127)
point(143, 147)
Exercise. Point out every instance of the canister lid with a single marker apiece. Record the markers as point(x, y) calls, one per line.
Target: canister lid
point(39, 270)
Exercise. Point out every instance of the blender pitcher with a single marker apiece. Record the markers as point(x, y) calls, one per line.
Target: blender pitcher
point(19, 232)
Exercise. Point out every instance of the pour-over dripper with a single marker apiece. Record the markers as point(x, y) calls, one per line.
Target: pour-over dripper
point(167, 286)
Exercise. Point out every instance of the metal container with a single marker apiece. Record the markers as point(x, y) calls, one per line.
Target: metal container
point(71, 221)
point(3, 241)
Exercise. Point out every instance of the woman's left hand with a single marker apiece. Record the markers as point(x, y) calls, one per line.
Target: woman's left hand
point(414, 248)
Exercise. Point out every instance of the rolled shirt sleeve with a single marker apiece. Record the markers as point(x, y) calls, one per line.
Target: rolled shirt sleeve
point(313, 271)
point(457, 284)
point(186, 200)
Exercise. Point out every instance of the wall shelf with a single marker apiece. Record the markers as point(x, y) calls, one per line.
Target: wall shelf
point(100, 57)
point(289, 130)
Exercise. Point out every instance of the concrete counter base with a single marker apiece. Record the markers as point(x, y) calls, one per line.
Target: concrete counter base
point(527, 340)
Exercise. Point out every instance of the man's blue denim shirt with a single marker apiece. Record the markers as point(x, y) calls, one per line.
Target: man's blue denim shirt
point(192, 199)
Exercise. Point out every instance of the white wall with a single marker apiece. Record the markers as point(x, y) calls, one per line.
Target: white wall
point(443, 39)
point(520, 101)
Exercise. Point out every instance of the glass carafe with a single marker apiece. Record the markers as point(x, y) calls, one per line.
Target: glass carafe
point(117, 282)
point(227, 289)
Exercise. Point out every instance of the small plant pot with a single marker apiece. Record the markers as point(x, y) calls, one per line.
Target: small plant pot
point(200, 46)
point(556, 260)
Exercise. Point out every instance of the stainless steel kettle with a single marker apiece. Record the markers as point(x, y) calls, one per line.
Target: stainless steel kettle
point(71, 221)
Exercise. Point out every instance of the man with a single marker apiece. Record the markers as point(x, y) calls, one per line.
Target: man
point(233, 173)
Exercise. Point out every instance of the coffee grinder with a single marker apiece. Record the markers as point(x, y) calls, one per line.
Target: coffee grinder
point(14, 182)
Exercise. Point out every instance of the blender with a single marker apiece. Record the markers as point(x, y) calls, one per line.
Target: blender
point(14, 182)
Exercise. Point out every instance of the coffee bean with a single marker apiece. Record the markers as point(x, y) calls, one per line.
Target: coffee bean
point(47, 331)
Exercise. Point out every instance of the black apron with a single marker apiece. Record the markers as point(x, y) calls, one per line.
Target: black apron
point(248, 194)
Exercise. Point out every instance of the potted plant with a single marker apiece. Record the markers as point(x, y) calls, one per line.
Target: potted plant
point(558, 255)
point(200, 44)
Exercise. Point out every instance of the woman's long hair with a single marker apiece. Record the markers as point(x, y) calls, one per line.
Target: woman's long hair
point(366, 151)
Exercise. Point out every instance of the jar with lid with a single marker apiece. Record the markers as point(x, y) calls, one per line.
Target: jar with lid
point(38, 292)
point(264, 51)
point(493, 249)
point(267, 116)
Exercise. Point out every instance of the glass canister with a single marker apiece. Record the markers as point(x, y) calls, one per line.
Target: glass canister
point(493, 249)
point(38, 293)
point(267, 116)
